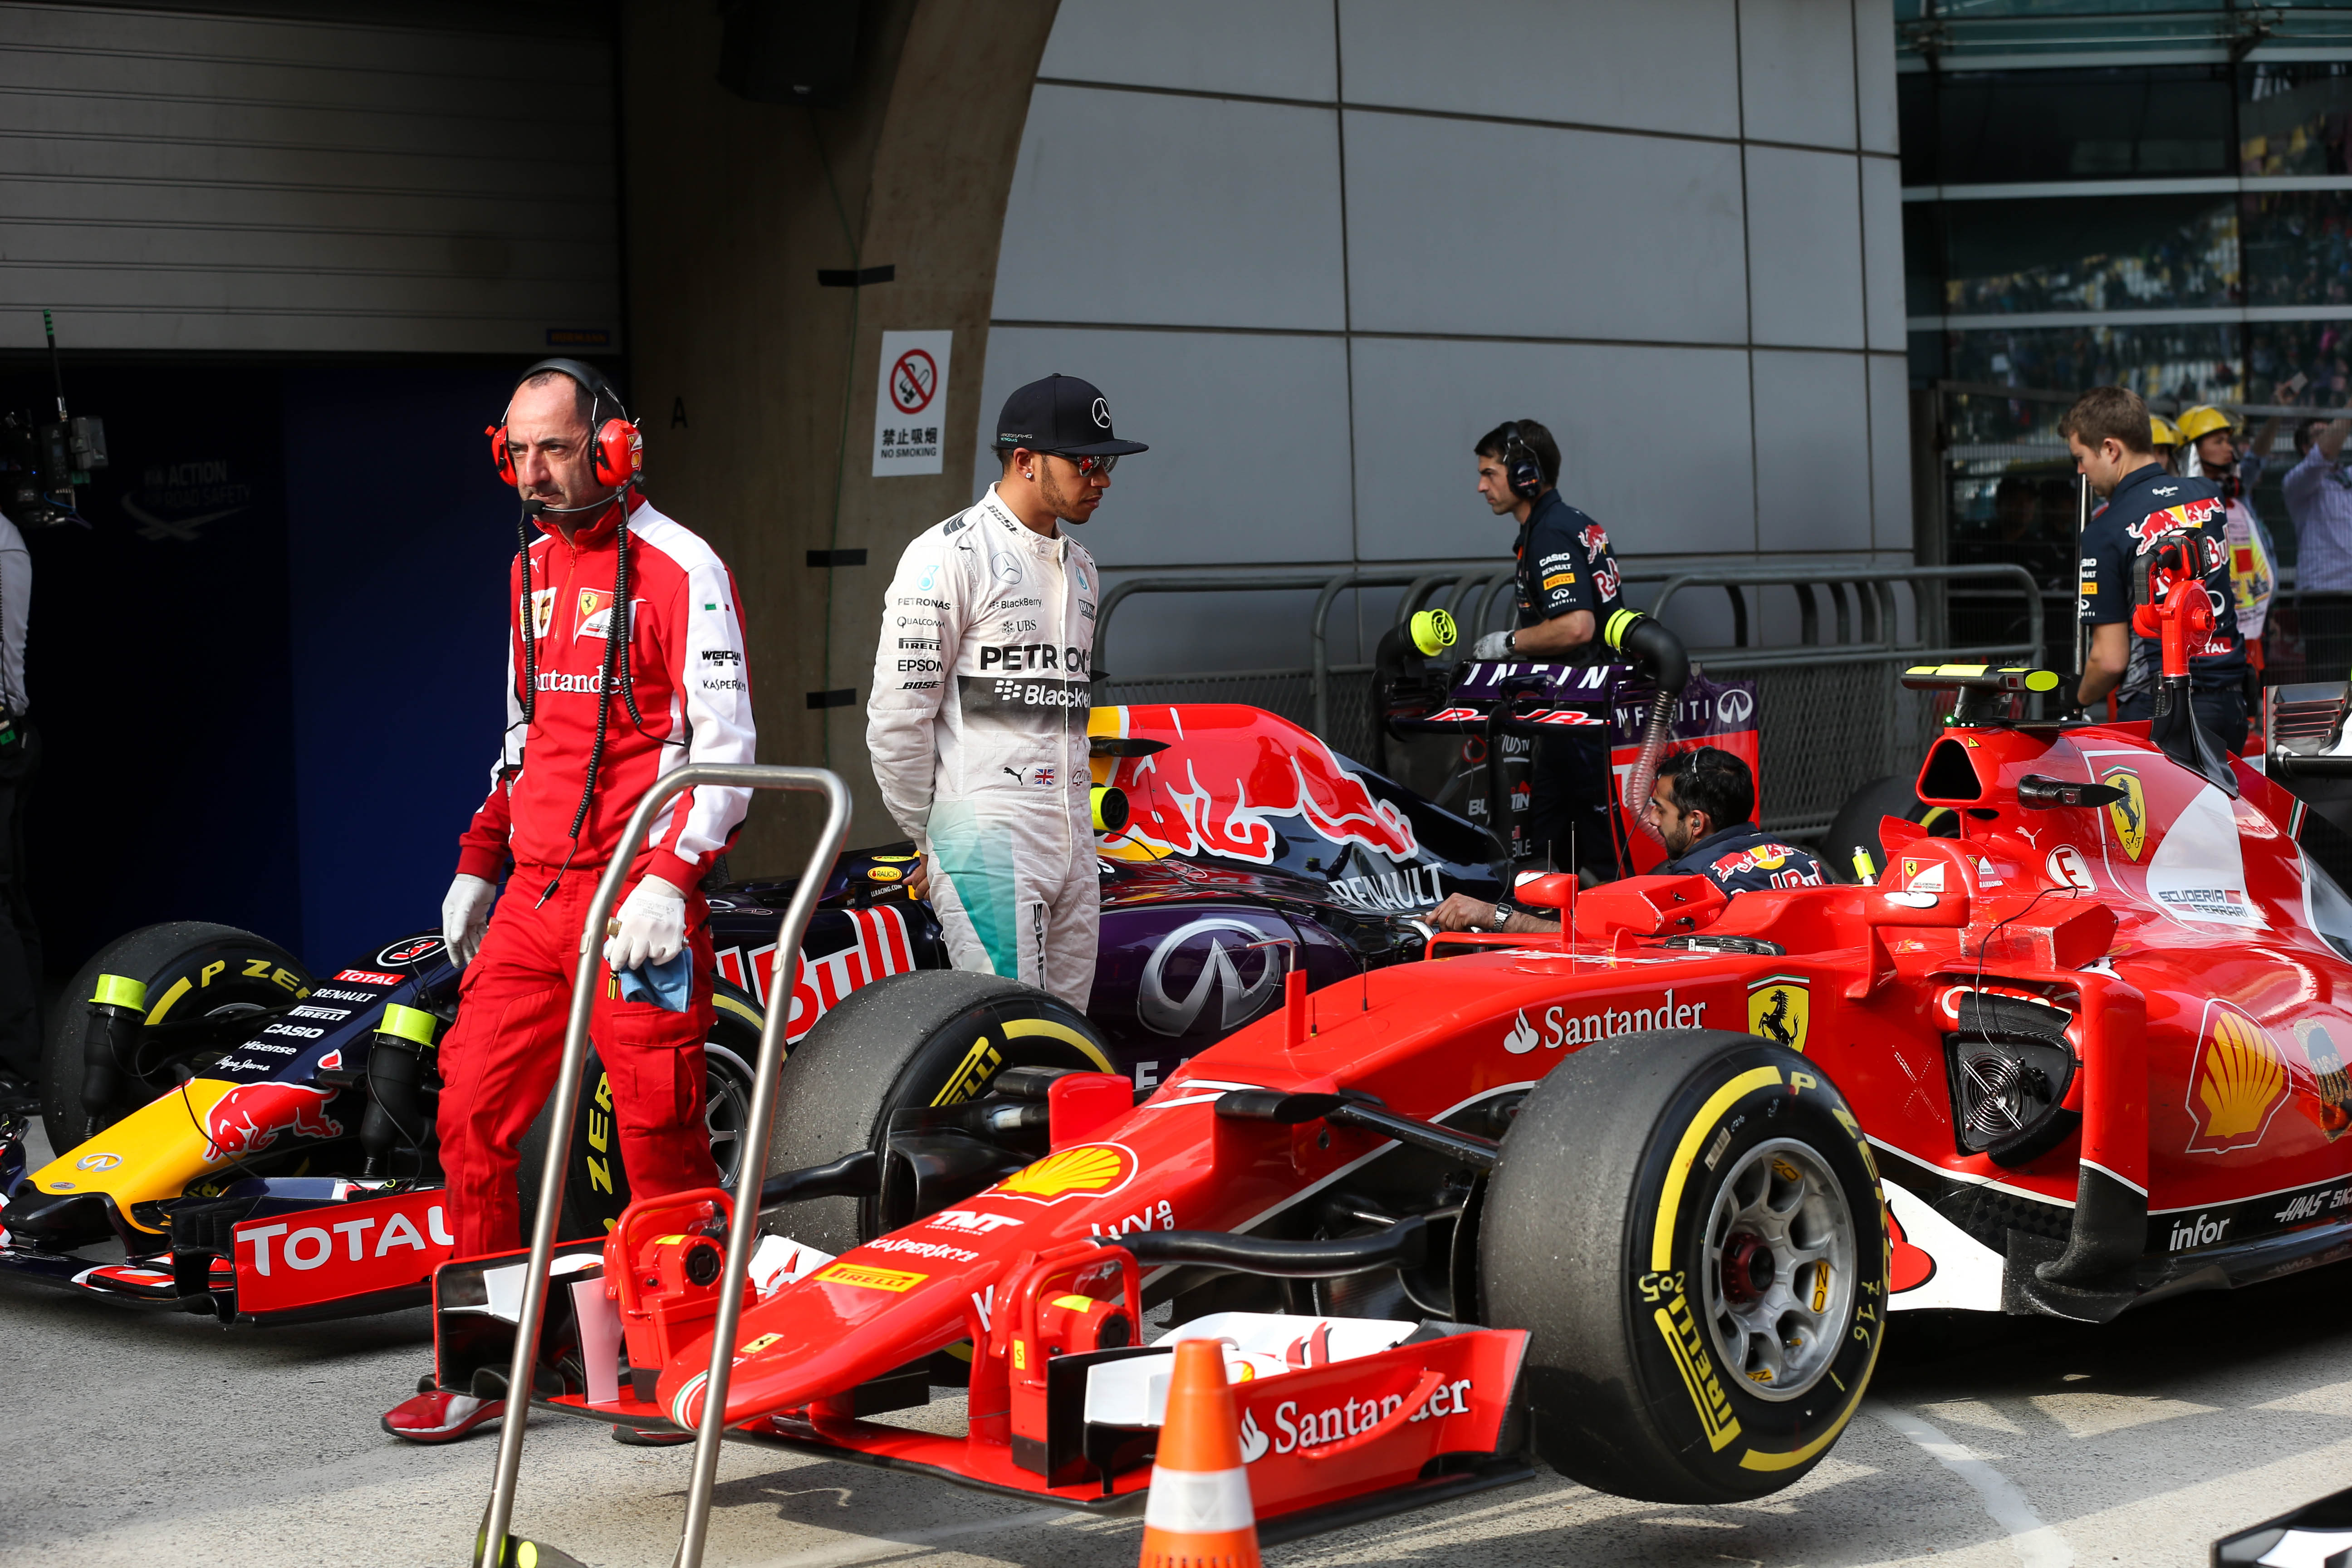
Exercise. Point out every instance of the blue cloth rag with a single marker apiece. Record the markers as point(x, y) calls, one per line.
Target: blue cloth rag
point(667, 985)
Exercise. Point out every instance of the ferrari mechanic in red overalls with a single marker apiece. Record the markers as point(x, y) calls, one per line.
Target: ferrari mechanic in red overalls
point(626, 660)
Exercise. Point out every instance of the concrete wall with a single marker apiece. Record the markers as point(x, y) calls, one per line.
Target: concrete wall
point(1311, 249)
point(756, 385)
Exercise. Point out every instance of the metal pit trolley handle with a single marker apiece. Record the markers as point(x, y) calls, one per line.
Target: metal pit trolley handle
point(741, 1236)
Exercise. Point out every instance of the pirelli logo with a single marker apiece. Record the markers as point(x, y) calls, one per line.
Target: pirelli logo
point(1681, 1330)
point(972, 1074)
point(867, 1279)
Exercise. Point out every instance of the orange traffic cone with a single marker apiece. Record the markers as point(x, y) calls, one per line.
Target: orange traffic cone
point(1199, 1514)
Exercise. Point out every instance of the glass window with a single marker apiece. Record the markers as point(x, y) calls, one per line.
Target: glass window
point(1994, 127)
point(2298, 248)
point(2099, 253)
point(2294, 118)
point(2195, 362)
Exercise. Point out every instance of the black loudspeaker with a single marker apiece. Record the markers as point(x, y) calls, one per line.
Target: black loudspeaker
point(789, 51)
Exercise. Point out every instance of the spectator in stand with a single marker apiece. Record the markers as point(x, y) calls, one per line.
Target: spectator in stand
point(2319, 503)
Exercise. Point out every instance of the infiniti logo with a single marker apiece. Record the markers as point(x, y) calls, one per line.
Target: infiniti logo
point(1173, 1015)
point(1734, 706)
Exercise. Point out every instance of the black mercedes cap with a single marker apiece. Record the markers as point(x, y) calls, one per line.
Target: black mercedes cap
point(1061, 414)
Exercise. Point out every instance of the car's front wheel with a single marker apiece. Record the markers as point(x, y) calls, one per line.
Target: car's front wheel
point(1688, 1224)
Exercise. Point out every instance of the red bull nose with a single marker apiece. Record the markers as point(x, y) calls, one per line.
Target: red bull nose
point(249, 1118)
point(1229, 769)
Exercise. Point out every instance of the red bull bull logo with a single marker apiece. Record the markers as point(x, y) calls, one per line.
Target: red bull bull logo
point(1230, 772)
point(1595, 540)
point(249, 1118)
point(2188, 514)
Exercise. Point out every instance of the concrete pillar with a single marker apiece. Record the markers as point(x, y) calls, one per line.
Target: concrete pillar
point(756, 385)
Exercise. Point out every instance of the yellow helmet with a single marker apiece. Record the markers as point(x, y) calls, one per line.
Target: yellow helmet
point(2161, 432)
point(2202, 421)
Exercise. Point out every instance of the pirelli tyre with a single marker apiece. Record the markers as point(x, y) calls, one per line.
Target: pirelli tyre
point(931, 1036)
point(596, 1187)
point(1855, 825)
point(1689, 1225)
point(206, 985)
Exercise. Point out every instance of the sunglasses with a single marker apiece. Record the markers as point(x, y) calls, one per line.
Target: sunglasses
point(1087, 467)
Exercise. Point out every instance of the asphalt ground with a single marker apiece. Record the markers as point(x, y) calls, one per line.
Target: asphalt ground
point(139, 1437)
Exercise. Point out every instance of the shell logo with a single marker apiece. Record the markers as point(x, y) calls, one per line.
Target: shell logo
point(2237, 1083)
point(1085, 1171)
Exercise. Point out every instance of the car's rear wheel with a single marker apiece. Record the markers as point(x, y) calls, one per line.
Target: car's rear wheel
point(1688, 1224)
point(596, 1187)
point(1855, 825)
point(928, 1038)
point(206, 984)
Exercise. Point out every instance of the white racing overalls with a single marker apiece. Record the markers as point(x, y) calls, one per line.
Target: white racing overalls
point(978, 734)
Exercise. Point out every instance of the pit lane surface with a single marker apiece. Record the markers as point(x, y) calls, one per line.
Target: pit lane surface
point(1990, 1443)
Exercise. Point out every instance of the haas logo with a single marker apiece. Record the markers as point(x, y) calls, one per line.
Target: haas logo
point(249, 1118)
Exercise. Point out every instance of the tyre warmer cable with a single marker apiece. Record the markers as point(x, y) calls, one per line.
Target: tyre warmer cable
point(615, 670)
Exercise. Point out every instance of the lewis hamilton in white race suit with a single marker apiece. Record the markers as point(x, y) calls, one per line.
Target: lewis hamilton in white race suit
point(981, 686)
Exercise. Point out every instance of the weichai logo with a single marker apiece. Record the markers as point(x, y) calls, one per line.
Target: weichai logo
point(1090, 1170)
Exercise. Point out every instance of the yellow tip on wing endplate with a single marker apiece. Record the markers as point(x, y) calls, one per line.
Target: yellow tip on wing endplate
point(149, 1155)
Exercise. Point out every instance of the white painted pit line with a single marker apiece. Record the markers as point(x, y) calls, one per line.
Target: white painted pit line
point(2037, 1545)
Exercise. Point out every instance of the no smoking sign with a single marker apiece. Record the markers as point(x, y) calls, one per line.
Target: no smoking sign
point(911, 403)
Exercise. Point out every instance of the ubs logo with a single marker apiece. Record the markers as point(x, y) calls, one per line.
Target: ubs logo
point(1221, 945)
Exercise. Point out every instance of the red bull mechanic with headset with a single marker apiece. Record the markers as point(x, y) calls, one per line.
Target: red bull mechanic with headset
point(2107, 430)
point(626, 660)
point(981, 686)
point(1568, 587)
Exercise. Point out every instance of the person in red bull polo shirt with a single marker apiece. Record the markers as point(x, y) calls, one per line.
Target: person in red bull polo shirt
point(1698, 793)
point(2108, 431)
point(1568, 583)
point(626, 660)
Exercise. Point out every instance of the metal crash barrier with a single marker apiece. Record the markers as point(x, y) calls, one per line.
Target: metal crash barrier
point(1834, 713)
point(1831, 712)
point(491, 1548)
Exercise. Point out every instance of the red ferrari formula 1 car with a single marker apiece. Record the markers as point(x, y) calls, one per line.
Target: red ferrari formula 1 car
point(1625, 1184)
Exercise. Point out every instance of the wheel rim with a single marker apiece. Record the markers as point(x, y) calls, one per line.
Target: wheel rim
point(1779, 1275)
point(725, 1107)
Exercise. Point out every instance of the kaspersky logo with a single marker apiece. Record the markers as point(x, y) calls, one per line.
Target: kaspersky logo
point(1088, 1170)
point(2237, 1083)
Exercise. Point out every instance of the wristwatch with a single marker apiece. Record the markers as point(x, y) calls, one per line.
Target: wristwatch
point(1500, 916)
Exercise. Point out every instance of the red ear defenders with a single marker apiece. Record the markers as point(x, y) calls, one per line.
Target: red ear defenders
point(617, 449)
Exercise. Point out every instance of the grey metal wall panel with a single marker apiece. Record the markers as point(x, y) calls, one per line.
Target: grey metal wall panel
point(175, 180)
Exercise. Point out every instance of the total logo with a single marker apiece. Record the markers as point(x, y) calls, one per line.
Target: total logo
point(310, 1246)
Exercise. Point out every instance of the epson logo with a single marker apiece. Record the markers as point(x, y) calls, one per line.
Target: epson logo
point(916, 666)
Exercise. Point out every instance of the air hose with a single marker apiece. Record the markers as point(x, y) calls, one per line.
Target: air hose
point(1652, 646)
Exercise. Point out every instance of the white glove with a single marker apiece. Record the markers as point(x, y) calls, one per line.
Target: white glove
point(1493, 646)
point(651, 927)
point(465, 915)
